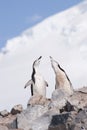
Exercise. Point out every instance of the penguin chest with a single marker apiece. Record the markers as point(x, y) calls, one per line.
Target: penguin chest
point(61, 80)
point(39, 86)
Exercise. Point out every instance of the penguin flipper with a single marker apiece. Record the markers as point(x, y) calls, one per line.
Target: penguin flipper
point(31, 90)
point(28, 83)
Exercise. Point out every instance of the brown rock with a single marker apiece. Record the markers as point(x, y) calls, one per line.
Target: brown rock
point(38, 100)
point(4, 113)
point(59, 122)
point(83, 90)
point(59, 127)
point(78, 99)
point(9, 121)
point(3, 127)
point(17, 109)
point(16, 129)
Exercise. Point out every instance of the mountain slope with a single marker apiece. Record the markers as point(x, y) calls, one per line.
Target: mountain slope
point(63, 36)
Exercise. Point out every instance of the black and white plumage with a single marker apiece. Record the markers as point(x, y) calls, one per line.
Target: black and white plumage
point(37, 82)
point(62, 80)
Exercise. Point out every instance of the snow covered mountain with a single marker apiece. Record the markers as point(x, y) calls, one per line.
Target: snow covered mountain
point(62, 36)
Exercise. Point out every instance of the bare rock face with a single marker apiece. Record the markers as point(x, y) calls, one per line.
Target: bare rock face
point(17, 109)
point(79, 99)
point(58, 122)
point(9, 121)
point(3, 127)
point(61, 112)
point(69, 121)
point(38, 100)
point(15, 129)
point(81, 119)
point(83, 90)
point(41, 123)
point(28, 116)
point(59, 99)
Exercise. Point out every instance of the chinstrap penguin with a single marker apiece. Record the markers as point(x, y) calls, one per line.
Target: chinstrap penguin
point(62, 80)
point(37, 82)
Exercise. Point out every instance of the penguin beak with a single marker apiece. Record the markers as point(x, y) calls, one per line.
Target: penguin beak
point(37, 62)
point(54, 63)
point(39, 59)
point(51, 59)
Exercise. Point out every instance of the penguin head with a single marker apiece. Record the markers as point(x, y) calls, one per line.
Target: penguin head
point(37, 62)
point(54, 64)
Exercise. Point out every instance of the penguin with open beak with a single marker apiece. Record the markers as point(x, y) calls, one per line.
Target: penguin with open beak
point(61, 78)
point(37, 82)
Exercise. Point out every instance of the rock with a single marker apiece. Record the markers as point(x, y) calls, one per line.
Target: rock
point(59, 93)
point(68, 108)
point(58, 122)
point(4, 113)
point(9, 121)
point(83, 90)
point(59, 99)
point(61, 112)
point(3, 127)
point(17, 109)
point(78, 99)
point(69, 121)
point(59, 127)
point(0, 116)
point(81, 119)
point(78, 126)
point(16, 129)
point(42, 111)
point(29, 115)
point(82, 115)
point(38, 100)
point(42, 123)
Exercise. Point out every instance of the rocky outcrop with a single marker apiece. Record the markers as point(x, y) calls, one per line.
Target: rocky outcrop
point(4, 113)
point(59, 99)
point(8, 120)
point(38, 100)
point(30, 116)
point(3, 127)
point(16, 109)
point(79, 98)
point(61, 112)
